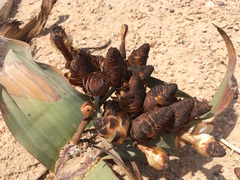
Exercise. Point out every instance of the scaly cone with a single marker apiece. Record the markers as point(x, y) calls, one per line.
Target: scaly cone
point(204, 144)
point(156, 157)
point(60, 41)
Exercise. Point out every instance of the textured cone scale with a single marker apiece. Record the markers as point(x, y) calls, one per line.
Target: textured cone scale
point(113, 108)
point(200, 108)
point(115, 67)
point(113, 128)
point(214, 149)
point(95, 84)
point(115, 123)
point(159, 96)
point(60, 41)
point(139, 56)
point(148, 125)
point(83, 63)
point(182, 111)
point(132, 100)
point(143, 71)
point(168, 119)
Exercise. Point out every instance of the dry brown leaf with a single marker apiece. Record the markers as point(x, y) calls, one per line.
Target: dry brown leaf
point(33, 28)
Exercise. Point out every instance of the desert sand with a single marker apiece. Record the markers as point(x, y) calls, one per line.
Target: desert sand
point(185, 48)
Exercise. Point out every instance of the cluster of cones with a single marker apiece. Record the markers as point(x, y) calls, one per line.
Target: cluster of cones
point(133, 111)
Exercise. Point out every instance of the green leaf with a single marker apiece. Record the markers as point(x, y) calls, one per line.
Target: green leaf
point(101, 171)
point(38, 105)
point(225, 91)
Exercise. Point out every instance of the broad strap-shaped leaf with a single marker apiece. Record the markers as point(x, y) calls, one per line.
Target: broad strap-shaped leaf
point(101, 171)
point(38, 105)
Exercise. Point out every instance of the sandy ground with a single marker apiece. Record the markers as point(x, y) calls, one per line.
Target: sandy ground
point(185, 48)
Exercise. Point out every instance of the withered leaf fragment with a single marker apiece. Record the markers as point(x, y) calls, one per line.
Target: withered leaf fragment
point(139, 56)
point(168, 119)
point(114, 125)
point(160, 95)
point(61, 42)
point(131, 99)
point(95, 84)
point(82, 64)
point(204, 144)
point(32, 28)
point(115, 67)
point(10, 28)
point(156, 157)
point(200, 108)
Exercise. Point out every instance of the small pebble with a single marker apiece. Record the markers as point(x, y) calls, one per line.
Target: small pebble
point(220, 3)
point(202, 40)
point(170, 73)
point(210, 4)
point(195, 60)
point(201, 66)
point(150, 9)
point(83, 42)
point(213, 49)
point(200, 86)
point(238, 40)
point(201, 97)
point(191, 48)
point(232, 163)
point(191, 80)
point(171, 10)
point(153, 43)
point(236, 28)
